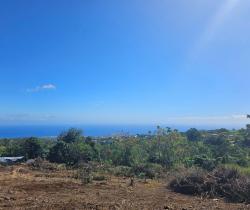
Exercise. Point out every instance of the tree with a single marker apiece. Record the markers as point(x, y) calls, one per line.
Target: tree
point(32, 148)
point(70, 154)
point(248, 127)
point(193, 134)
point(218, 140)
point(246, 141)
point(2, 150)
point(59, 153)
point(80, 152)
point(70, 136)
point(14, 148)
point(138, 156)
point(90, 142)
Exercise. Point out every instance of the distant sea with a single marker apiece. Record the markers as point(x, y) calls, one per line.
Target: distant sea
point(55, 130)
point(88, 130)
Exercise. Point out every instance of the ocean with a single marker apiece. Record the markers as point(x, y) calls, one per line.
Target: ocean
point(88, 130)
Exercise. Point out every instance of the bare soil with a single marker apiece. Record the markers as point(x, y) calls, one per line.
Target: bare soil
point(23, 188)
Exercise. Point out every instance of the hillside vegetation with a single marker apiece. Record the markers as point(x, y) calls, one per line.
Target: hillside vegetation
point(219, 160)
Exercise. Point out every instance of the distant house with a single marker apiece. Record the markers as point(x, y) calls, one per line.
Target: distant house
point(11, 160)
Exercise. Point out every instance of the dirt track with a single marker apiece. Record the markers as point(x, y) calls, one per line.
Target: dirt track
point(22, 188)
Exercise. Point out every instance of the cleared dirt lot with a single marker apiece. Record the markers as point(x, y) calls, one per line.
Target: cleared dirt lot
point(23, 188)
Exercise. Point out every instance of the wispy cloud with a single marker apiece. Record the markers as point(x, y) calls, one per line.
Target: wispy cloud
point(41, 88)
point(216, 22)
point(212, 119)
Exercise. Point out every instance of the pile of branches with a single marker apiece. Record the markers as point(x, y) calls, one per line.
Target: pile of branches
point(40, 164)
point(222, 182)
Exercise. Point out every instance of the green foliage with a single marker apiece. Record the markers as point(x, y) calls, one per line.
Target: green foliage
point(205, 162)
point(81, 152)
point(70, 154)
point(138, 155)
point(121, 171)
point(70, 136)
point(144, 155)
point(99, 178)
point(71, 149)
point(14, 148)
point(246, 134)
point(32, 148)
point(59, 153)
point(3, 150)
point(27, 147)
point(193, 134)
point(218, 140)
point(170, 148)
point(149, 170)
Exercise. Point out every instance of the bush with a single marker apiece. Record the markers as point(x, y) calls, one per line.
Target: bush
point(84, 173)
point(150, 171)
point(99, 178)
point(205, 162)
point(70, 154)
point(121, 171)
point(40, 164)
point(222, 182)
point(216, 140)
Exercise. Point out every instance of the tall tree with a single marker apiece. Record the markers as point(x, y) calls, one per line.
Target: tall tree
point(70, 136)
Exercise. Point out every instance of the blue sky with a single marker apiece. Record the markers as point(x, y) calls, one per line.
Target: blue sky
point(124, 62)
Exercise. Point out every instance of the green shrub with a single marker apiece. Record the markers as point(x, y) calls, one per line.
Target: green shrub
point(122, 171)
point(99, 178)
point(205, 162)
point(150, 170)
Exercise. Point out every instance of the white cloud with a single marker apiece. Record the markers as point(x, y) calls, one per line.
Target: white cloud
point(49, 86)
point(239, 116)
point(41, 88)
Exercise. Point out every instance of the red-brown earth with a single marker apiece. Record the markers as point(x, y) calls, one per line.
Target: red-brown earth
point(24, 188)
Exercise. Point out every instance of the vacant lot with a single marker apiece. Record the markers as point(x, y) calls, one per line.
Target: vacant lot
point(23, 188)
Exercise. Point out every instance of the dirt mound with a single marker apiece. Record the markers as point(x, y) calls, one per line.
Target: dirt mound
point(226, 183)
